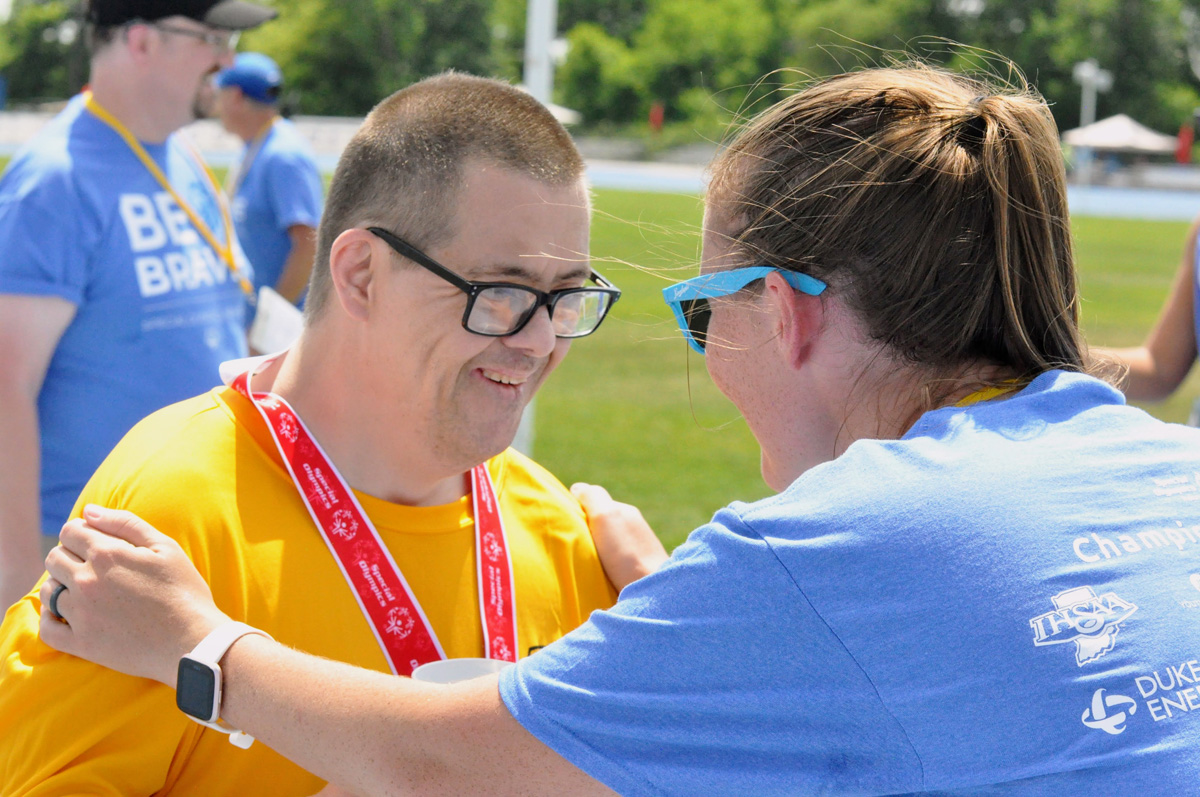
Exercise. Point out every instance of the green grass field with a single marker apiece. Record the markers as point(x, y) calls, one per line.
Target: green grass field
point(631, 408)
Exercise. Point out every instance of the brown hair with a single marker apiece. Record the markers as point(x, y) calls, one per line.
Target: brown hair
point(933, 204)
point(402, 169)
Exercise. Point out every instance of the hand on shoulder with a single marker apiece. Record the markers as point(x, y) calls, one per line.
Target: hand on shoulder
point(628, 547)
point(131, 599)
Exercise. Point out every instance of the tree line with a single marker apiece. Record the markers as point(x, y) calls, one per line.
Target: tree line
point(701, 62)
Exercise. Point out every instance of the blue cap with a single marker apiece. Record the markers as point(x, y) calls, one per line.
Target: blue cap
point(255, 74)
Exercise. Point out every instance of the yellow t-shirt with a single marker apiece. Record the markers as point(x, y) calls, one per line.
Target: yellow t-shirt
point(206, 472)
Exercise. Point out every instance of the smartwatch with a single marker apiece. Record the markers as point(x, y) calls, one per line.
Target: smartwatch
point(198, 682)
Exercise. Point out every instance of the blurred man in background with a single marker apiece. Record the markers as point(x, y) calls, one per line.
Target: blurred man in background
point(275, 189)
point(121, 281)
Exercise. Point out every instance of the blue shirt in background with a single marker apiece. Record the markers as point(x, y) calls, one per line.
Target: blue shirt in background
point(280, 187)
point(157, 310)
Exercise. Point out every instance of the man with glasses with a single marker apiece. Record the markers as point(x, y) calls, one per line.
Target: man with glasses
point(120, 282)
point(364, 505)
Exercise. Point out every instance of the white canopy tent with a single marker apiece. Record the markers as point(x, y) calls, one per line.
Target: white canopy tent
point(565, 116)
point(1120, 134)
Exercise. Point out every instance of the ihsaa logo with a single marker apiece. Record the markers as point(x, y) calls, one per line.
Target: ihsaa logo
point(1081, 616)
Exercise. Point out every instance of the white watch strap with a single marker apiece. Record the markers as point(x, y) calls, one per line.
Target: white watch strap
point(210, 650)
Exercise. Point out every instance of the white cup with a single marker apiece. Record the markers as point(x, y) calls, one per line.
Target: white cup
point(448, 671)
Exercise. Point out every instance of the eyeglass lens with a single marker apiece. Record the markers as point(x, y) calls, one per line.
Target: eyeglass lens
point(219, 40)
point(504, 310)
point(697, 313)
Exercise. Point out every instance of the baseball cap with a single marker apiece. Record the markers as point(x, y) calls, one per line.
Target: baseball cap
point(228, 14)
point(255, 74)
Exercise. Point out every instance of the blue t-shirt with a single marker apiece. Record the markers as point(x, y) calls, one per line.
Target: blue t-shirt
point(279, 188)
point(1006, 600)
point(157, 310)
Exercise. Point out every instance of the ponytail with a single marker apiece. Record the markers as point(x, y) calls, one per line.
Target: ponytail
point(933, 204)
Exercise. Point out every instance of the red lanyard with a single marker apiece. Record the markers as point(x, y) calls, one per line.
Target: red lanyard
point(395, 617)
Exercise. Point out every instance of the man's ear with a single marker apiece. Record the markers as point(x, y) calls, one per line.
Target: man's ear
point(798, 319)
point(353, 261)
point(140, 40)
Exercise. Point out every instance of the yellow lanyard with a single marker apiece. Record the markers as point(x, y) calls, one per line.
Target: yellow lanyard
point(233, 180)
point(224, 251)
point(988, 393)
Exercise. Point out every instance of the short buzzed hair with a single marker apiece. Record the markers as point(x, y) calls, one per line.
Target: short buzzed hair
point(403, 168)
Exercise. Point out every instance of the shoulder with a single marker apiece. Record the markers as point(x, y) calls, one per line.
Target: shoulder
point(518, 472)
point(173, 464)
point(286, 132)
point(71, 140)
point(56, 205)
point(197, 424)
point(287, 145)
point(969, 487)
point(68, 172)
point(44, 167)
point(957, 468)
point(526, 487)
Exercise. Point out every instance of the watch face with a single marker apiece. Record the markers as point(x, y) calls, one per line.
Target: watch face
point(195, 689)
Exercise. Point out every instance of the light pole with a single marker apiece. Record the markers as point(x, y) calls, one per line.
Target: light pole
point(1093, 79)
point(541, 25)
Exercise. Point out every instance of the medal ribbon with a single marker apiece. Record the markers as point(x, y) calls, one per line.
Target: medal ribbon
point(391, 610)
point(224, 251)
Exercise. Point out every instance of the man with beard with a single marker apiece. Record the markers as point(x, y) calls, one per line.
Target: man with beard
point(121, 283)
point(364, 503)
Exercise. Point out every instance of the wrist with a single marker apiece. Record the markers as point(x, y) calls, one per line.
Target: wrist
point(200, 684)
point(191, 635)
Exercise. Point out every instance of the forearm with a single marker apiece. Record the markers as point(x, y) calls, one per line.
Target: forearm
point(20, 512)
point(1162, 362)
point(1145, 377)
point(379, 734)
point(30, 328)
point(293, 279)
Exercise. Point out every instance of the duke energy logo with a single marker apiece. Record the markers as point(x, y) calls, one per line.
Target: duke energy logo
point(1108, 713)
point(1081, 616)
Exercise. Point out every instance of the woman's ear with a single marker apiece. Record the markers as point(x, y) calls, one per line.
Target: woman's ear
point(798, 319)
point(353, 261)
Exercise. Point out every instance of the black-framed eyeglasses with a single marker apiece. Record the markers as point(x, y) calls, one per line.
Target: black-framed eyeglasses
point(497, 309)
point(223, 41)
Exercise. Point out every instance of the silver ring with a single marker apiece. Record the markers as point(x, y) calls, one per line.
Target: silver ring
point(53, 605)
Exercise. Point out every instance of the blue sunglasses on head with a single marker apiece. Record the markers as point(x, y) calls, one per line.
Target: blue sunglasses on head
point(689, 299)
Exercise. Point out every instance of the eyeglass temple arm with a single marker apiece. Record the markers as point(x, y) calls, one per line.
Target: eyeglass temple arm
point(600, 280)
point(417, 256)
